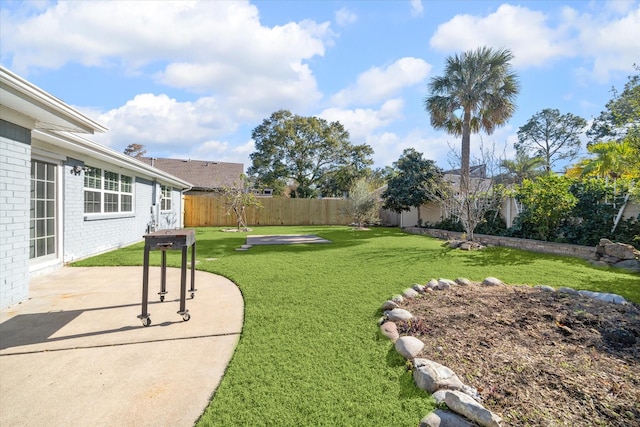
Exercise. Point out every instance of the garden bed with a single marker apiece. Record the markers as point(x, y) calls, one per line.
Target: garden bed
point(538, 358)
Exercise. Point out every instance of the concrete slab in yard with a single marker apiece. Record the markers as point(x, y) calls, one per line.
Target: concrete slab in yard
point(75, 352)
point(285, 239)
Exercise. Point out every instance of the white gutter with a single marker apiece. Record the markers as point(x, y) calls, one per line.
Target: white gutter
point(87, 148)
point(22, 88)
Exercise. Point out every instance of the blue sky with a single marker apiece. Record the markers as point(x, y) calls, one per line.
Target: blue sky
point(191, 79)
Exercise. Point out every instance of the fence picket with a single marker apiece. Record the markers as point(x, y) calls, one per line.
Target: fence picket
point(207, 211)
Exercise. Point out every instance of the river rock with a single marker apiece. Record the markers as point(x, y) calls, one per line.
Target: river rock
point(466, 406)
point(410, 293)
point(389, 305)
point(438, 396)
point(492, 281)
point(398, 314)
point(432, 376)
point(409, 347)
point(445, 283)
point(614, 298)
point(463, 281)
point(397, 298)
point(545, 288)
point(390, 330)
point(418, 288)
point(432, 284)
point(569, 291)
point(442, 418)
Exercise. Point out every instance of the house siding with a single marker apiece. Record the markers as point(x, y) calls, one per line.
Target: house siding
point(23, 140)
point(87, 235)
point(15, 185)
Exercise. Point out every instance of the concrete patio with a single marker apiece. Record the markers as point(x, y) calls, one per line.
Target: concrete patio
point(75, 352)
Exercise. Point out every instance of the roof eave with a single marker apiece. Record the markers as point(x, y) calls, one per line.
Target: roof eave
point(15, 85)
point(97, 151)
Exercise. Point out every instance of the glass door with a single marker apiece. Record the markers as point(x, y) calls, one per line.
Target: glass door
point(43, 221)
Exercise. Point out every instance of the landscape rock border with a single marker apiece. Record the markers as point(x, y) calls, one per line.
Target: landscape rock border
point(463, 402)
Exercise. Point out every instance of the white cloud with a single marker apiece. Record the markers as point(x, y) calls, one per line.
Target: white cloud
point(416, 8)
point(361, 122)
point(376, 84)
point(388, 146)
point(523, 31)
point(163, 121)
point(210, 47)
point(136, 33)
point(219, 151)
point(607, 37)
point(613, 44)
point(345, 17)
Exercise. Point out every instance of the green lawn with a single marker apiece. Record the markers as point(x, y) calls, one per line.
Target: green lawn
point(310, 352)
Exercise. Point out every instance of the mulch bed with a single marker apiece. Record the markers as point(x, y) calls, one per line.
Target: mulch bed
point(537, 358)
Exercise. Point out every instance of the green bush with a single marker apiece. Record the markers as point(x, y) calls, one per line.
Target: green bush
point(628, 231)
point(451, 224)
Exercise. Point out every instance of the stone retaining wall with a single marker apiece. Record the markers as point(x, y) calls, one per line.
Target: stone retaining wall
point(585, 252)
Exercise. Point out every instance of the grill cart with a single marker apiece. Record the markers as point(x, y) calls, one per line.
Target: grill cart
point(164, 240)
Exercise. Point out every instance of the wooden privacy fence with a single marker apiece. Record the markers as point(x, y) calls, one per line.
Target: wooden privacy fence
point(208, 211)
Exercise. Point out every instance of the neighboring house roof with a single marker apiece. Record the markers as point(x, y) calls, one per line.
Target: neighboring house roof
point(202, 174)
point(29, 106)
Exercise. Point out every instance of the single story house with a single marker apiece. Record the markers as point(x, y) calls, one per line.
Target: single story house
point(64, 197)
point(206, 177)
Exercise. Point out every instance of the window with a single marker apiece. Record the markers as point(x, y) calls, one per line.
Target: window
point(107, 192)
point(42, 227)
point(165, 202)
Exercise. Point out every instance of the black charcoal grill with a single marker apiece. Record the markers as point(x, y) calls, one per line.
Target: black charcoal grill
point(164, 240)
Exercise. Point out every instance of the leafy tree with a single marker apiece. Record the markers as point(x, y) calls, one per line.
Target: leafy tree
point(380, 176)
point(551, 135)
point(338, 182)
point(611, 159)
point(135, 150)
point(363, 204)
point(521, 168)
point(305, 151)
point(546, 202)
point(476, 93)
point(593, 215)
point(417, 180)
point(237, 199)
point(621, 119)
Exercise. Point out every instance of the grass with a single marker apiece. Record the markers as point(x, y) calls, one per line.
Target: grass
point(310, 352)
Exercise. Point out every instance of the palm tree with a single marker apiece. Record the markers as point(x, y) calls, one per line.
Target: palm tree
point(522, 167)
point(611, 159)
point(477, 92)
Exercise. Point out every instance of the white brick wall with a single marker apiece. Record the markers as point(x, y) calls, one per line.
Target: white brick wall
point(86, 237)
point(15, 185)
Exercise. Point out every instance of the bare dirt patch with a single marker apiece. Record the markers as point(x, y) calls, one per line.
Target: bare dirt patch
point(537, 358)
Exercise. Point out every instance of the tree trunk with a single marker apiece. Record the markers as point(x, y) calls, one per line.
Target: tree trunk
point(465, 154)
